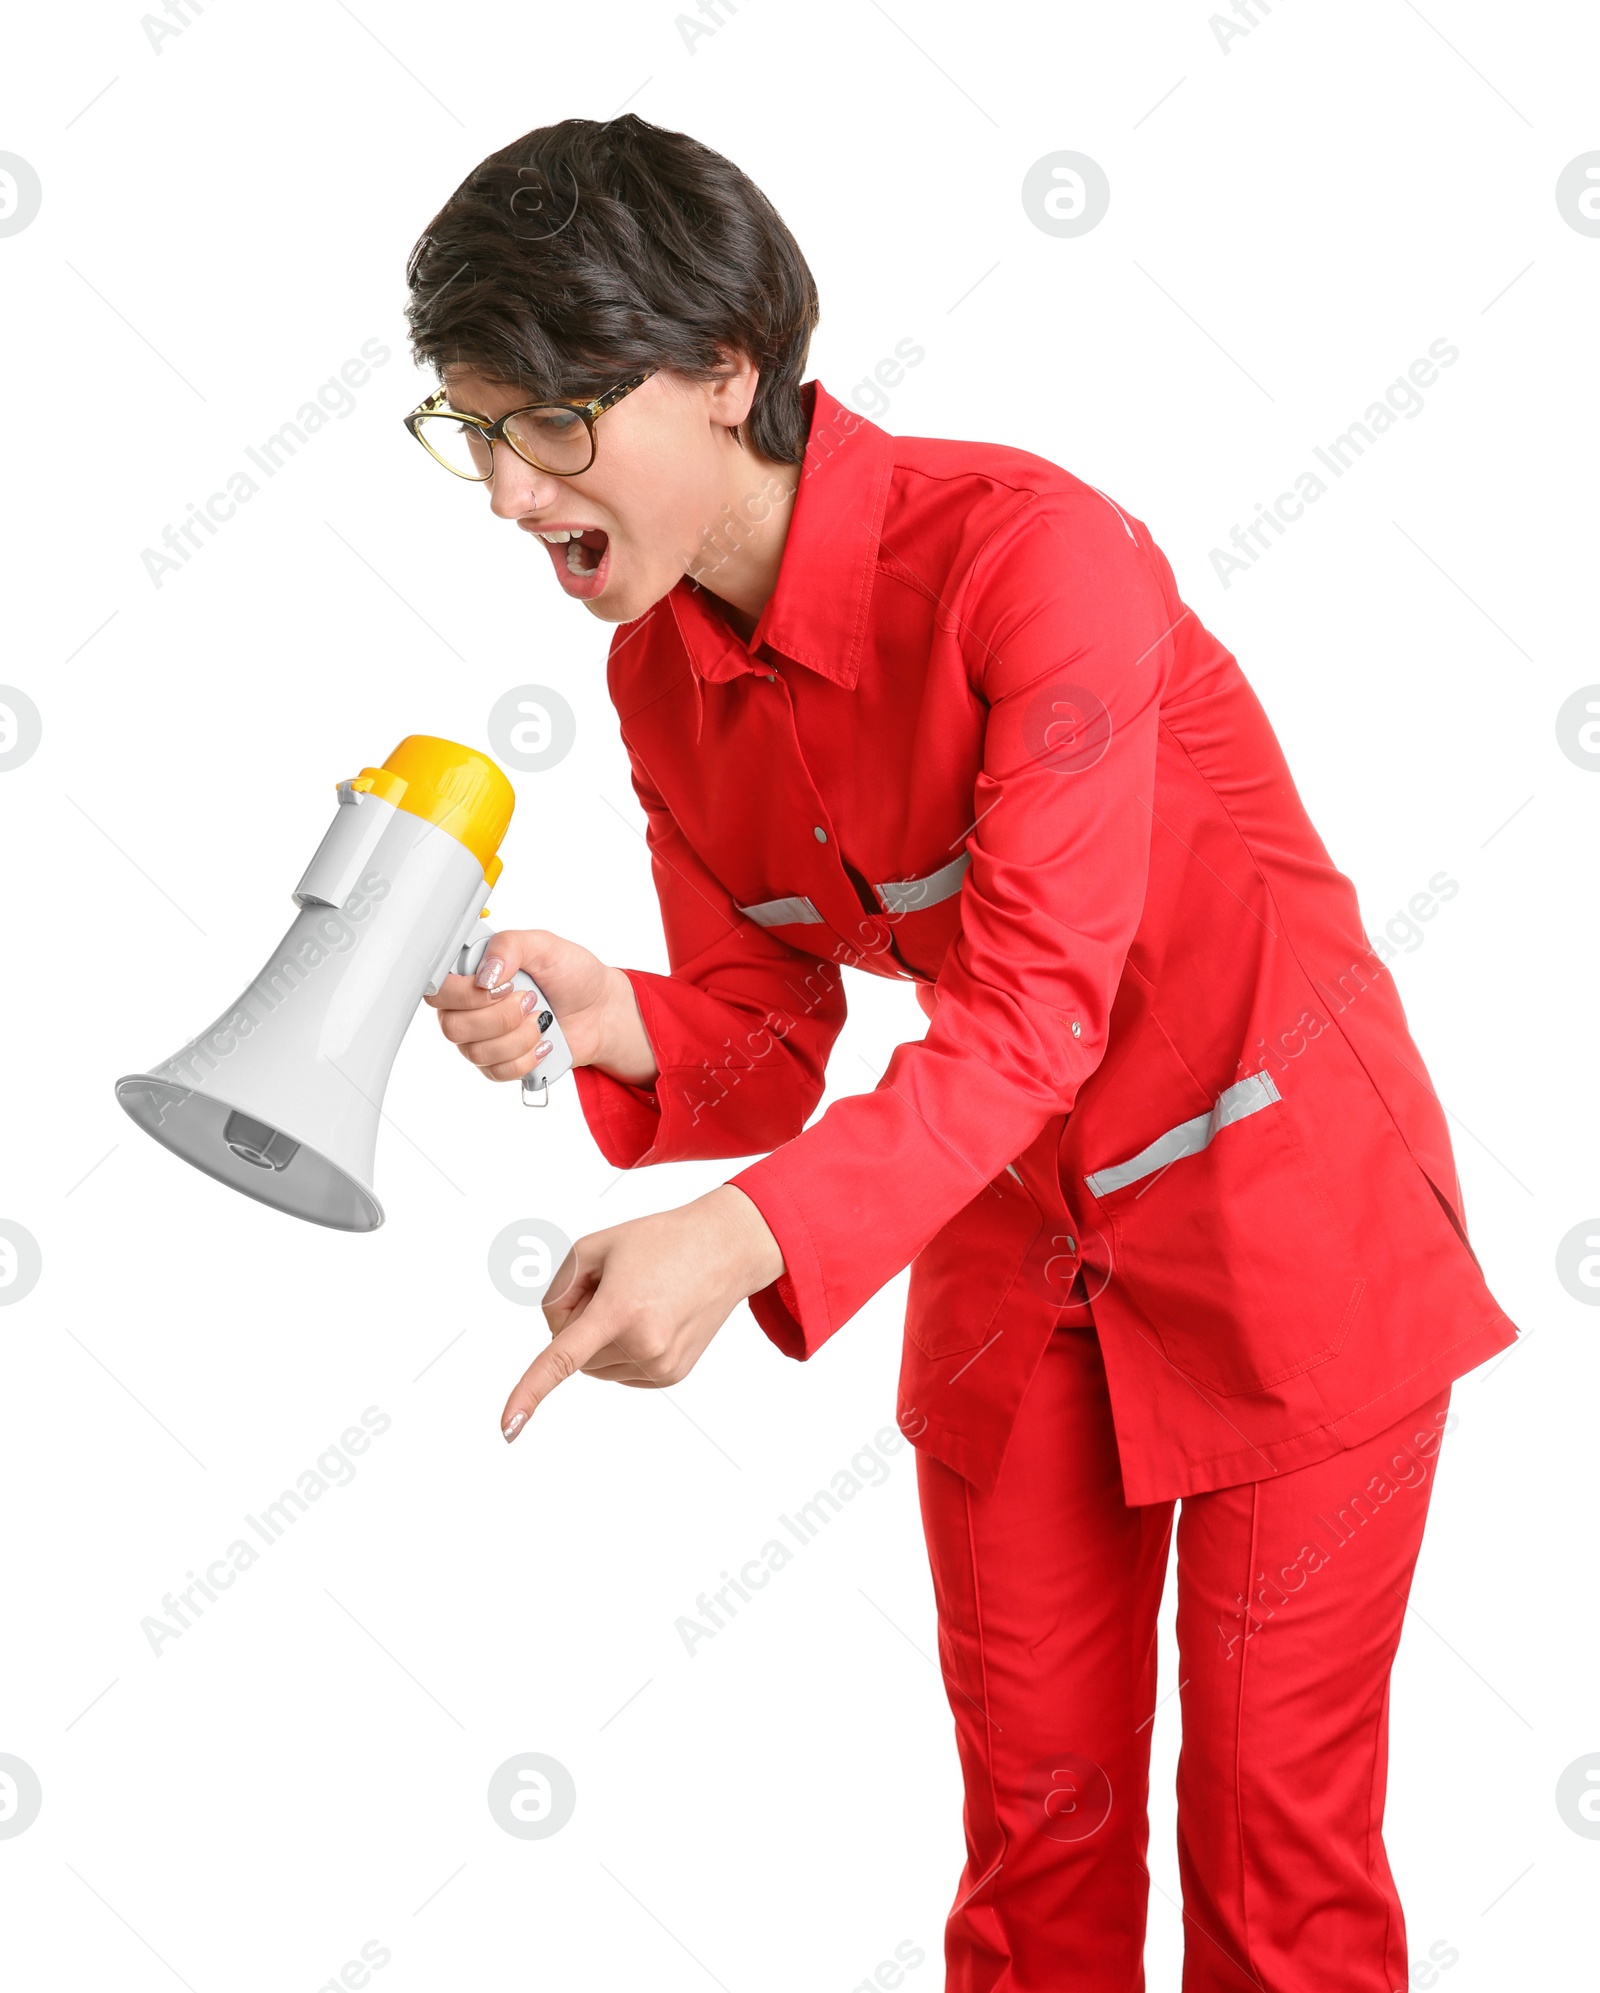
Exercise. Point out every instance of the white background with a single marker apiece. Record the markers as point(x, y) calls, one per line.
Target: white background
point(224, 223)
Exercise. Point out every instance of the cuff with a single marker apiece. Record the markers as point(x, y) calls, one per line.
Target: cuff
point(793, 1311)
point(702, 1103)
point(623, 1119)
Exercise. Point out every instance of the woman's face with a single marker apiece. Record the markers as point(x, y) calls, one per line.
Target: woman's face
point(659, 486)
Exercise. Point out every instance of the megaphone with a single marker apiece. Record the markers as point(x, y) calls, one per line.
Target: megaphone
point(280, 1096)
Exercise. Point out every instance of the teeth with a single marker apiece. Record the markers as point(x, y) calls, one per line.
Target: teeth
point(576, 564)
point(557, 539)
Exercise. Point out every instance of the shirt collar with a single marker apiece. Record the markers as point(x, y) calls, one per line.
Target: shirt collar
point(817, 614)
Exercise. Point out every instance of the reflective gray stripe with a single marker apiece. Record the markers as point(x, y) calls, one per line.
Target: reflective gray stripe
point(782, 913)
point(906, 895)
point(1247, 1096)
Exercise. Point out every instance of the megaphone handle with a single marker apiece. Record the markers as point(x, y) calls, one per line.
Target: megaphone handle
point(536, 1084)
point(558, 1060)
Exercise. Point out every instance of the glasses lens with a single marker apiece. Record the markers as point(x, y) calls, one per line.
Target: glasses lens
point(555, 439)
point(457, 444)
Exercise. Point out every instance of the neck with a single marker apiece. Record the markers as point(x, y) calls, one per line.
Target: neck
point(741, 551)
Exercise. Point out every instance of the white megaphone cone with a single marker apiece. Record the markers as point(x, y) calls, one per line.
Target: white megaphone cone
point(281, 1096)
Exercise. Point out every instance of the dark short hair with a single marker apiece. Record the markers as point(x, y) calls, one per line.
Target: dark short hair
point(583, 252)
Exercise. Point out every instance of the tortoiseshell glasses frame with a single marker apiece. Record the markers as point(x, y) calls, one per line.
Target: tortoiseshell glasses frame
point(436, 415)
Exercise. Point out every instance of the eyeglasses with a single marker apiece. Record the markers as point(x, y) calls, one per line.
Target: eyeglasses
point(553, 436)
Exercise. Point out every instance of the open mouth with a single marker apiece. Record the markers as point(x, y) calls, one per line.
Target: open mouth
point(580, 556)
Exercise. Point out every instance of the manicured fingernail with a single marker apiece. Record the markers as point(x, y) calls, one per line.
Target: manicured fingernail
point(490, 972)
point(530, 1001)
point(514, 1425)
point(541, 1050)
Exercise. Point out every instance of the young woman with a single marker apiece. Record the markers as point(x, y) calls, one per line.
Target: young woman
point(1177, 1196)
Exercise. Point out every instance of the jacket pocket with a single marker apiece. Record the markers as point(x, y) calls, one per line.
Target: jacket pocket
point(961, 1279)
point(1225, 1239)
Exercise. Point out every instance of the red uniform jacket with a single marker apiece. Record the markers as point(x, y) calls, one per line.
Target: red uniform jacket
point(977, 741)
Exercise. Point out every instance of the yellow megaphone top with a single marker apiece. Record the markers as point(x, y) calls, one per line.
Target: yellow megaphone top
point(455, 787)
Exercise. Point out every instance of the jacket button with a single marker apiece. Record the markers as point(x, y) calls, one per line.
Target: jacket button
point(1077, 1029)
point(819, 834)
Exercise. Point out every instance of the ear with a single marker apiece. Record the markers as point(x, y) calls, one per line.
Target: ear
point(731, 394)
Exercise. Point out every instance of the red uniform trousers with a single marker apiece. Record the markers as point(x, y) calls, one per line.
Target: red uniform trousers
point(1291, 1593)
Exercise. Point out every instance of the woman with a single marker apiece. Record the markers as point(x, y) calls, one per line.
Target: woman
point(1177, 1197)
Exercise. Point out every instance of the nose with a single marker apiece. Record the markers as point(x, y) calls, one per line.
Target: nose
point(516, 488)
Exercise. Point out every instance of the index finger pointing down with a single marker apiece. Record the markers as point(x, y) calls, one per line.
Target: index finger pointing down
point(570, 1349)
